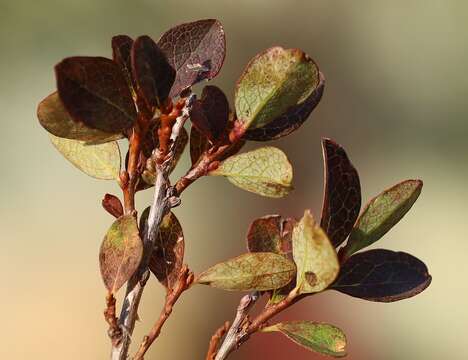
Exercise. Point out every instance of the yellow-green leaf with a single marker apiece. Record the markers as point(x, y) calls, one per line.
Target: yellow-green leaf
point(273, 82)
point(99, 161)
point(314, 255)
point(265, 171)
point(323, 338)
point(251, 271)
point(121, 252)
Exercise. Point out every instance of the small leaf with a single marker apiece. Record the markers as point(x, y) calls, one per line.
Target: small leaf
point(291, 120)
point(121, 54)
point(198, 144)
point(210, 114)
point(121, 253)
point(323, 338)
point(383, 276)
point(314, 255)
point(252, 271)
point(55, 119)
point(196, 50)
point(265, 235)
point(94, 91)
point(168, 254)
point(265, 171)
point(151, 71)
point(342, 193)
point(381, 214)
point(98, 161)
point(112, 205)
point(273, 82)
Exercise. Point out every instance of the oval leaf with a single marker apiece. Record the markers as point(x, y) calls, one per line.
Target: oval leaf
point(381, 214)
point(94, 91)
point(121, 253)
point(342, 193)
point(314, 255)
point(323, 338)
point(291, 120)
point(265, 171)
point(55, 119)
point(113, 205)
point(98, 161)
point(151, 71)
point(121, 54)
point(383, 276)
point(196, 50)
point(266, 235)
point(273, 82)
point(252, 271)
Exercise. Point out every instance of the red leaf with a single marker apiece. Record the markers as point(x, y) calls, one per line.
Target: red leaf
point(342, 195)
point(121, 54)
point(112, 205)
point(94, 91)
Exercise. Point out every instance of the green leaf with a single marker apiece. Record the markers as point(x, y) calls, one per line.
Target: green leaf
point(273, 82)
point(314, 255)
point(323, 338)
point(55, 119)
point(252, 271)
point(98, 161)
point(265, 171)
point(121, 253)
point(381, 214)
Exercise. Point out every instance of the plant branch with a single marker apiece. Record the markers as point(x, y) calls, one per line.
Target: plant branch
point(184, 281)
point(215, 339)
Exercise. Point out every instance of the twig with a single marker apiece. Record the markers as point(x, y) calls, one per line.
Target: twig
point(215, 339)
point(184, 281)
point(115, 333)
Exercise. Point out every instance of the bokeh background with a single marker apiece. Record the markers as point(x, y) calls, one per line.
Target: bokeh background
point(396, 98)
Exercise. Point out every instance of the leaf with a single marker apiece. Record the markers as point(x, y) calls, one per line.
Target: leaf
point(152, 72)
point(252, 271)
point(266, 235)
point(381, 214)
point(273, 82)
point(98, 161)
point(323, 338)
point(210, 114)
point(265, 171)
point(383, 276)
point(168, 254)
point(121, 253)
point(94, 91)
point(198, 144)
point(196, 50)
point(112, 205)
point(314, 255)
point(55, 119)
point(289, 121)
point(121, 54)
point(342, 193)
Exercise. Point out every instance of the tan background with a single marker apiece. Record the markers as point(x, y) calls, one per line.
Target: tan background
point(395, 98)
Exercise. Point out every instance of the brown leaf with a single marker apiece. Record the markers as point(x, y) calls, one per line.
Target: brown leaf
point(196, 50)
point(112, 205)
point(121, 54)
point(198, 144)
point(342, 193)
point(94, 91)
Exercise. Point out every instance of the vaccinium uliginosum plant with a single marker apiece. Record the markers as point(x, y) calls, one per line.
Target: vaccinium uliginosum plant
point(143, 95)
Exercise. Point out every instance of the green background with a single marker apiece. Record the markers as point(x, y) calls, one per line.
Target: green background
point(395, 99)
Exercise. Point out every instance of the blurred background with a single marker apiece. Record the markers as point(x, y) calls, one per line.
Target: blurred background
point(395, 98)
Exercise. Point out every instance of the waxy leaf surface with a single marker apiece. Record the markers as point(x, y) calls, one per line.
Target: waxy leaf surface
point(210, 114)
point(291, 120)
point(381, 214)
point(252, 271)
point(382, 275)
point(121, 54)
point(265, 171)
point(196, 50)
point(342, 193)
point(314, 255)
point(94, 91)
point(273, 82)
point(55, 119)
point(121, 253)
point(322, 338)
point(98, 161)
point(113, 205)
point(168, 253)
point(152, 72)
